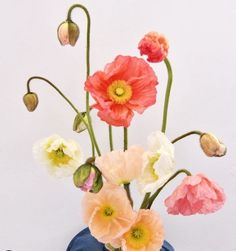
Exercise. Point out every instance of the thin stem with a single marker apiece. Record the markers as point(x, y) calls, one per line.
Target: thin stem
point(145, 201)
point(87, 63)
point(186, 135)
point(67, 100)
point(111, 138)
point(125, 138)
point(167, 95)
point(127, 186)
point(110, 248)
point(154, 196)
point(127, 189)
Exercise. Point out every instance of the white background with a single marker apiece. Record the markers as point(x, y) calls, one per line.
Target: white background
point(39, 213)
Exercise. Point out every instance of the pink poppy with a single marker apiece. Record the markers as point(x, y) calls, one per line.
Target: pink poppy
point(126, 85)
point(195, 195)
point(155, 46)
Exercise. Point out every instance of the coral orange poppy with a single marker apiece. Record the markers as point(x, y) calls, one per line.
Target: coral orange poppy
point(126, 85)
point(155, 46)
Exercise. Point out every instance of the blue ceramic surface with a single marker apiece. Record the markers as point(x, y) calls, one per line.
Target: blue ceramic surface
point(84, 241)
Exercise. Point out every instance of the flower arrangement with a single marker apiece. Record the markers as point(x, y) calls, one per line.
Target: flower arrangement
point(126, 85)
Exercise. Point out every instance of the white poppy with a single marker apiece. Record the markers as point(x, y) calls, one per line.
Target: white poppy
point(62, 157)
point(159, 163)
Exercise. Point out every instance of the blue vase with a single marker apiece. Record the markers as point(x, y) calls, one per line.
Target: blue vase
point(84, 241)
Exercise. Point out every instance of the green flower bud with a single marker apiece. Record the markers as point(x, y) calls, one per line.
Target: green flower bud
point(79, 125)
point(31, 101)
point(88, 178)
point(68, 33)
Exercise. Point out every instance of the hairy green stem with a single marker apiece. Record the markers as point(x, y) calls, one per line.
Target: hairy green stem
point(167, 95)
point(67, 100)
point(111, 138)
point(165, 111)
point(154, 196)
point(127, 189)
point(125, 138)
point(110, 248)
point(87, 66)
point(186, 135)
point(127, 186)
point(57, 89)
point(145, 201)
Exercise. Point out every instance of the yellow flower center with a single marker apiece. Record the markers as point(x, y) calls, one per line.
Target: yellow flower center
point(138, 236)
point(107, 213)
point(58, 157)
point(152, 161)
point(119, 92)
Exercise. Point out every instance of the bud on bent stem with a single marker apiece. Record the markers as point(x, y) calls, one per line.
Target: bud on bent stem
point(211, 145)
point(68, 33)
point(31, 101)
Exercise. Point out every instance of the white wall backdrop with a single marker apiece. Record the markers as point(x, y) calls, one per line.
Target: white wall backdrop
point(39, 213)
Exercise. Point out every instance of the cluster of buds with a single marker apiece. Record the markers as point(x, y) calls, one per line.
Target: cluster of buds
point(88, 178)
point(212, 146)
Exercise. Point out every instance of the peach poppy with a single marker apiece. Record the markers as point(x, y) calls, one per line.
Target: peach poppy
point(126, 85)
point(155, 46)
point(108, 213)
point(195, 195)
point(119, 167)
point(146, 234)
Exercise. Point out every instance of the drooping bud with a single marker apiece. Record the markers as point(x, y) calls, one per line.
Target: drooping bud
point(88, 178)
point(68, 33)
point(79, 125)
point(31, 101)
point(211, 146)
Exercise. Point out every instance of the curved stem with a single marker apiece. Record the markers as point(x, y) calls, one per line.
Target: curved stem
point(88, 32)
point(87, 63)
point(111, 138)
point(154, 196)
point(167, 95)
point(57, 89)
point(186, 135)
point(67, 100)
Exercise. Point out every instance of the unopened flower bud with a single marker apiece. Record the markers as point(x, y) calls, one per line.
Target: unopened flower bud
point(68, 33)
point(79, 125)
point(31, 101)
point(88, 178)
point(211, 146)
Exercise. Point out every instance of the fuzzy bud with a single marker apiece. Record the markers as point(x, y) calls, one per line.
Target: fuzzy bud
point(79, 125)
point(31, 101)
point(211, 146)
point(88, 178)
point(68, 33)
